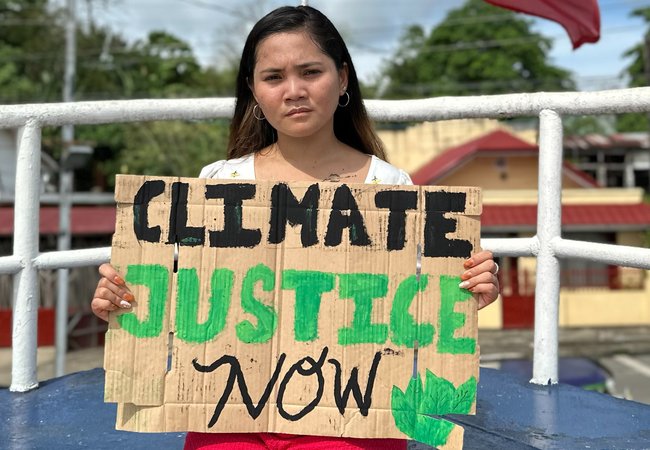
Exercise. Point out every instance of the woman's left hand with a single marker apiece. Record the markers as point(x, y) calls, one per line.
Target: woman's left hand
point(480, 277)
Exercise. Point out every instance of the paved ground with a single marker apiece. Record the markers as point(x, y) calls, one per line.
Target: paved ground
point(631, 376)
point(76, 361)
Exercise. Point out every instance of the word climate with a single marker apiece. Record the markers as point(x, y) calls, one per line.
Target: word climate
point(285, 208)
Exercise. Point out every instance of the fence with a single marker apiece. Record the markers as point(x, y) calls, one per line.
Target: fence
point(547, 245)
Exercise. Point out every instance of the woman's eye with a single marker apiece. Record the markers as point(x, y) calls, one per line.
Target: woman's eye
point(312, 72)
point(271, 77)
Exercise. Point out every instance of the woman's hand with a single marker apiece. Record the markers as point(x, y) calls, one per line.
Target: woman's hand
point(111, 293)
point(480, 277)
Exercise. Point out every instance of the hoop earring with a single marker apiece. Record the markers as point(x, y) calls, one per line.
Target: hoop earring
point(260, 114)
point(347, 100)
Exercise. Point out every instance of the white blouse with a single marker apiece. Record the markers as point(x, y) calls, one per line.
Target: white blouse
point(243, 168)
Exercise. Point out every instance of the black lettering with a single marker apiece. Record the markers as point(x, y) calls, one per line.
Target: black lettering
point(316, 368)
point(344, 201)
point(148, 191)
point(436, 225)
point(179, 232)
point(285, 207)
point(236, 374)
point(233, 234)
point(341, 398)
point(397, 202)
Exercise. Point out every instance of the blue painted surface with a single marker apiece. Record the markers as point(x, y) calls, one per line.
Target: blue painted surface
point(571, 370)
point(69, 412)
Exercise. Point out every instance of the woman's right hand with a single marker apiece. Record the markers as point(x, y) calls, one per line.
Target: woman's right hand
point(111, 293)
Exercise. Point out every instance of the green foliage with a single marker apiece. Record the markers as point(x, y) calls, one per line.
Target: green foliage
point(477, 49)
point(583, 125)
point(171, 148)
point(412, 409)
point(31, 51)
point(108, 67)
point(638, 76)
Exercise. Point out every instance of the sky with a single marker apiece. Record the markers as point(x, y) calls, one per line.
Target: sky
point(216, 29)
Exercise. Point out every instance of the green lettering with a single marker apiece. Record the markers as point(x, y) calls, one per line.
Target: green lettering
point(404, 330)
point(187, 305)
point(156, 278)
point(267, 317)
point(309, 286)
point(362, 288)
point(450, 321)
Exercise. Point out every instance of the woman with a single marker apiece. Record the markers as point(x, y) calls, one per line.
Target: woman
point(299, 116)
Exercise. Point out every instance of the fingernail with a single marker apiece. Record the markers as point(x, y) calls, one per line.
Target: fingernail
point(464, 284)
point(125, 304)
point(468, 263)
point(466, 276)
point(118, 280)
point(128, 297)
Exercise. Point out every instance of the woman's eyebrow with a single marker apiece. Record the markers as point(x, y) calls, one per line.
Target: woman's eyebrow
point(299, 66)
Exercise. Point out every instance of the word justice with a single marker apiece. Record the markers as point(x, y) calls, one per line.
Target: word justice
point(308, 286)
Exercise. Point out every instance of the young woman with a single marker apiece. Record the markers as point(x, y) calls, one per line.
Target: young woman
point(299, 116)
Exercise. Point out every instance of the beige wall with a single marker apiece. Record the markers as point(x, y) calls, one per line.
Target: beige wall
point(581, 196)
point(518, 172)
point(602, 307)
point(491, 317)
point(587, 308)
point(418, 144)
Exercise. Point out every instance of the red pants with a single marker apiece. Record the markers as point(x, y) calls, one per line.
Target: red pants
point(275, 441)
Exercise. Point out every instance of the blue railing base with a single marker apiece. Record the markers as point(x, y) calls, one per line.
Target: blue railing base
point(70, 412)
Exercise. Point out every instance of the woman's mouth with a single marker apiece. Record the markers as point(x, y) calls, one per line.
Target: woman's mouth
point(298, 111)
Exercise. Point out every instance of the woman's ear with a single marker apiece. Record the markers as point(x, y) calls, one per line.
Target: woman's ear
point(343, 79)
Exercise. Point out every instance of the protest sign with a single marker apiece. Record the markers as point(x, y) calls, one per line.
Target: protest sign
point(303, 308)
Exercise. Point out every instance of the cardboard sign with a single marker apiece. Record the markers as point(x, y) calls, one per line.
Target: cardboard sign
point(302, 308)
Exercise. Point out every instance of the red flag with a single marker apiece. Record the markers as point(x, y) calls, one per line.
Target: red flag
point(580, 18)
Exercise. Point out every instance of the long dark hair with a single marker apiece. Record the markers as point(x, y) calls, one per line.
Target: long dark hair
point(351, 123)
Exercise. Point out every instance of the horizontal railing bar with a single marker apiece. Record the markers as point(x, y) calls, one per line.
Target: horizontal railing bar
point(511, 246)
point(512, 105)
point(621, 255)
point(77, 198)
point(73, 258)
point(439, 108)
point(116, 111)
point(10, 265)
point(563, 248)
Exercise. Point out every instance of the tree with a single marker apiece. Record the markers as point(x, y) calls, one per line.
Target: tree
point(477, 49)
point(109, 67)
point(31, 50)
point(639, 75)
point(173, 148)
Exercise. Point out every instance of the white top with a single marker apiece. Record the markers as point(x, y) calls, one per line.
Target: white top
point(243, 168)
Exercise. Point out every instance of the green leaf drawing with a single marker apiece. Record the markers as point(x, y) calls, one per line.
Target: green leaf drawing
point(412, 409)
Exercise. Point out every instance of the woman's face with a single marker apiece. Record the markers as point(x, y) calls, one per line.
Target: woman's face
point(296, 85)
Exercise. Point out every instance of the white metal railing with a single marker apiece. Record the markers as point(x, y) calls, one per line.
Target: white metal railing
point(547, 245)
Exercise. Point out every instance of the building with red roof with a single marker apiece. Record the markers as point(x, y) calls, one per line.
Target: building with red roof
point(506, 168)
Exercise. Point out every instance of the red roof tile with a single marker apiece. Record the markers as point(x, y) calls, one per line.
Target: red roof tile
point(513, 216)
point(88, 220)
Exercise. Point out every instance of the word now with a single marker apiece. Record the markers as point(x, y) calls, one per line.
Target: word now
point(309, 286)
point(364, 401)
point(285, 209)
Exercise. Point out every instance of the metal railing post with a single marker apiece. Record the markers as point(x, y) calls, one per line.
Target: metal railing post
point(26, 240)
point(549, 227)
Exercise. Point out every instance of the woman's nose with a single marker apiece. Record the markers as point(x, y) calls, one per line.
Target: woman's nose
point(295, 89)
